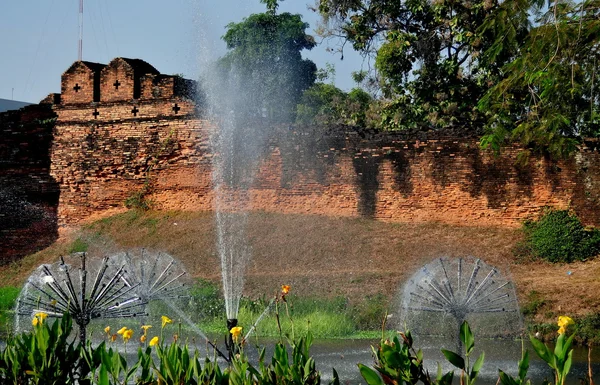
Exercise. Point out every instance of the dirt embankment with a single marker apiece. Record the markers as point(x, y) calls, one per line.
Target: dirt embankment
point(324, 256)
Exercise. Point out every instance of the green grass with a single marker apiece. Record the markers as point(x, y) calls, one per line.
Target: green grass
point(323, 317)
point(8, 297)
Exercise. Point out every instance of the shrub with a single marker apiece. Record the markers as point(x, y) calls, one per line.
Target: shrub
point(559, 236)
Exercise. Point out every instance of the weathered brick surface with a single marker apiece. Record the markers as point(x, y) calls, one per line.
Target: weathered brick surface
point(103, 152)
point(121, 79)
point(28, 194)
point(80, 83)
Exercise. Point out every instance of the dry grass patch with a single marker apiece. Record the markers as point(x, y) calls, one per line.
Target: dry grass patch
point(324, 256)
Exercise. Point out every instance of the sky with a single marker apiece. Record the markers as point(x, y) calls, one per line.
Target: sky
point(39, 38)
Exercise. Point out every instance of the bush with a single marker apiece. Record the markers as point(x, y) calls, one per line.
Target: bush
point(559, 236)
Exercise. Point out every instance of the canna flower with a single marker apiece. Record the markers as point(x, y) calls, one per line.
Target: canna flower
point(236, 332)
point(143, 338)
point(113, 338)
point(154, 341)
point(285, 289)
point(107, 330)
point(145, 328)
point(39, 318)
point(122, 330)
point(166, 320)
point(563, 322)
point(127, 334)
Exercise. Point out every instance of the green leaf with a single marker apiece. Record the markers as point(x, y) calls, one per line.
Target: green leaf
point(336, 378)
point(454, 359)
point(477, 367)
point(370, 376)
point(542, 351)
point(467, 337)
point(524, 365)
point(568, 362)
point(506, 379)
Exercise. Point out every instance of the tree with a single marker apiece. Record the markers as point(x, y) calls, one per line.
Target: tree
point(547, 97)
point(426, 55)
point(265, 67)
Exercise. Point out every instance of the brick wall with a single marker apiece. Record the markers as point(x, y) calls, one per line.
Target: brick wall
point(102, 153)
point(28, 194)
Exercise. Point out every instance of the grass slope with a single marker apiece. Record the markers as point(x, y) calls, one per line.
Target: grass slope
point(324, 257)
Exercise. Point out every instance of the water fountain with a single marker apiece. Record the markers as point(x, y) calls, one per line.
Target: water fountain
point(444, 293)
point(122, 287)
point(239, 138)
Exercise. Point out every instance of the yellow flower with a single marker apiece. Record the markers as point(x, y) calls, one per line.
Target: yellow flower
point(143, 338)
point(563, 322)
point(122, 330)
point(113, 338)
point(285, 289)
point(107, 330)
point(166, 320)
point(39, 318)
point(127, 334)
point(145, 328)
point(154, 341)
point(236, 332)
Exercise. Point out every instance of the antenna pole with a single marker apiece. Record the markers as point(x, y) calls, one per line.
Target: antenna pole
point(80, 45)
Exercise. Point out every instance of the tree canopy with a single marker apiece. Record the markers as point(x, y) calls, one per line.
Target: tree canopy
point(522, 70)
point(265, 63)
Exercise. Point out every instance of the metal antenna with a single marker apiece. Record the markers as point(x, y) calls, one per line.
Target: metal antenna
point(80, 45)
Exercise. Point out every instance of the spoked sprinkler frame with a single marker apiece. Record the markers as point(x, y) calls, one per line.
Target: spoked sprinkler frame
point(111, 295)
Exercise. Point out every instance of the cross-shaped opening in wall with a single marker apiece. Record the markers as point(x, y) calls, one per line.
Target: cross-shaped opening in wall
point(95, 113)
point(176, 108)
point(135, 110)
point(77, 87)
point(117, 84)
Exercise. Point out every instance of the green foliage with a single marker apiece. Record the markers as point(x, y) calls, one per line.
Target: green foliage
point(176, 366)
point(559, 236)
point(507, 379)
point(468, 374)
point(369, 314)
point(560, 359)
point(8, 296)
point(325, 104)
point(137, 200)
point(264, 66)
point(547, 95)
point(43, 356)
point(207, 299)
point(426, 57)
point(588, 329)
point(525, 70)
point(399, 363)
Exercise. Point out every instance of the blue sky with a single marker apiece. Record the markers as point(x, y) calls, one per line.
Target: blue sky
point(39, 38)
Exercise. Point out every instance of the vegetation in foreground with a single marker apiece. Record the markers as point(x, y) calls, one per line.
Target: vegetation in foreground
point(47, 355)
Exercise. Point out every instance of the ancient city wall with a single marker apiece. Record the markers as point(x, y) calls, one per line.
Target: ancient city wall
point(123, 130)
point(146, 136)
point(28, 194)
